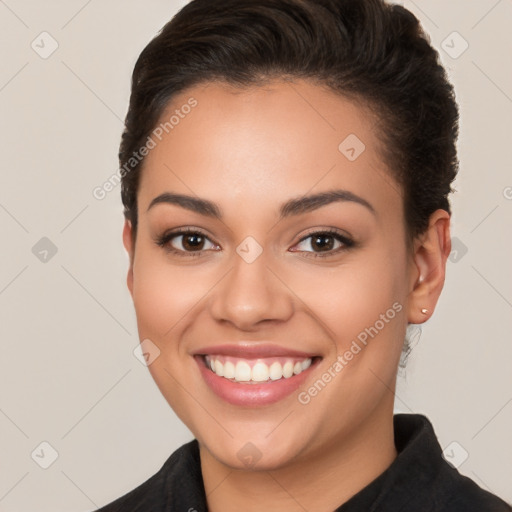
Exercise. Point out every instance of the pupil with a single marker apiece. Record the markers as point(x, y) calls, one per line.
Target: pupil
point(324, 246)
point(197, 240)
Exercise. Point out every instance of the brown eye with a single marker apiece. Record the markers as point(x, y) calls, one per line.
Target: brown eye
point(192, 242)
point(185, 242)
point(324, 243)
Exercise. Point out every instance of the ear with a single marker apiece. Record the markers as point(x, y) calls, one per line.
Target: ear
point(129, 246)
point(431, 250)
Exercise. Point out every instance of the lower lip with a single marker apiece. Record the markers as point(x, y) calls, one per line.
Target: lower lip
point(252, 395)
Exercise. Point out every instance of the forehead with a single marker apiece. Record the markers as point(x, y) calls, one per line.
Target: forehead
point(263, 144)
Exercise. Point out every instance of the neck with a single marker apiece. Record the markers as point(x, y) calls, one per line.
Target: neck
point(322, 481)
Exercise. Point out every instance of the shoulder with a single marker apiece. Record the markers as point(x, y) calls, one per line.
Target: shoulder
point(156, 492)
point(430, 476)
point(457, 492)
point(145, 497)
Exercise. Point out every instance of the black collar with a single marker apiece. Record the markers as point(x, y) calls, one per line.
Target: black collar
point(418, 480)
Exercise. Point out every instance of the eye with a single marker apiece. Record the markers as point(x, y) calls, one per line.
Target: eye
point(185, 242)
point(192, 242)
point(328, 242)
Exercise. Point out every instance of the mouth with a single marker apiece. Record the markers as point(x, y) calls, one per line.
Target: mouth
point(252, 382)
point(253, 371)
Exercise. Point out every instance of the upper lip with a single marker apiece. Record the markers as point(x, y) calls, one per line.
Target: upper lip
point(252, 350)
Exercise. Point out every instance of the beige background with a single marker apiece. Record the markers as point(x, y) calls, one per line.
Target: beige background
point(68, 375)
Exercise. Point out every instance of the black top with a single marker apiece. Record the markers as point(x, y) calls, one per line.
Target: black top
point(418, 480)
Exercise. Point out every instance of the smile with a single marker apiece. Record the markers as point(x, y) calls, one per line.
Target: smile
point(254, 382)
point(256, 370)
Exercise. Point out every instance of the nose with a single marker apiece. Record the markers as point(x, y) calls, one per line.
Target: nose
point(251, 294)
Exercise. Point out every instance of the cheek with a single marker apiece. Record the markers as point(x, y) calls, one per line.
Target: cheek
point(163, 294)
point(165, 297)
point(362, 308)
point(349, 298)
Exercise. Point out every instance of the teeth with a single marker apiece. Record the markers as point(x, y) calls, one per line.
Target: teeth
point(287, 369)
point(241, 370)
point(306, 364)
point(219, 369)
point(260, 372)
point(229, 370)
point(276, 371)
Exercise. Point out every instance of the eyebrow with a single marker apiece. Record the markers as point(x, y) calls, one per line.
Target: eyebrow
point(292, 207)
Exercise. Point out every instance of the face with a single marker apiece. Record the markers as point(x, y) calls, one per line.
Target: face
point(268, 278)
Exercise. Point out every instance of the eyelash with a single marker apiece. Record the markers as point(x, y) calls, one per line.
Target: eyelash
point(163, 241)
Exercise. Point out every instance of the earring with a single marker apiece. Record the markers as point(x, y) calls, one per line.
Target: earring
point(424, 311)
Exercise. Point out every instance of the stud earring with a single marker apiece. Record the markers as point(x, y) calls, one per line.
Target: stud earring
point(424, 311)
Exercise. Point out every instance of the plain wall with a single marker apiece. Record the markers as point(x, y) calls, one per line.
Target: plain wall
point(68, 375)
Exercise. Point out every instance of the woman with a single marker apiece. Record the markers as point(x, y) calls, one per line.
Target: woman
point(286, 168)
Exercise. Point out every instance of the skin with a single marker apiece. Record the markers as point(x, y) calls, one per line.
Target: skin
point(249, 150)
